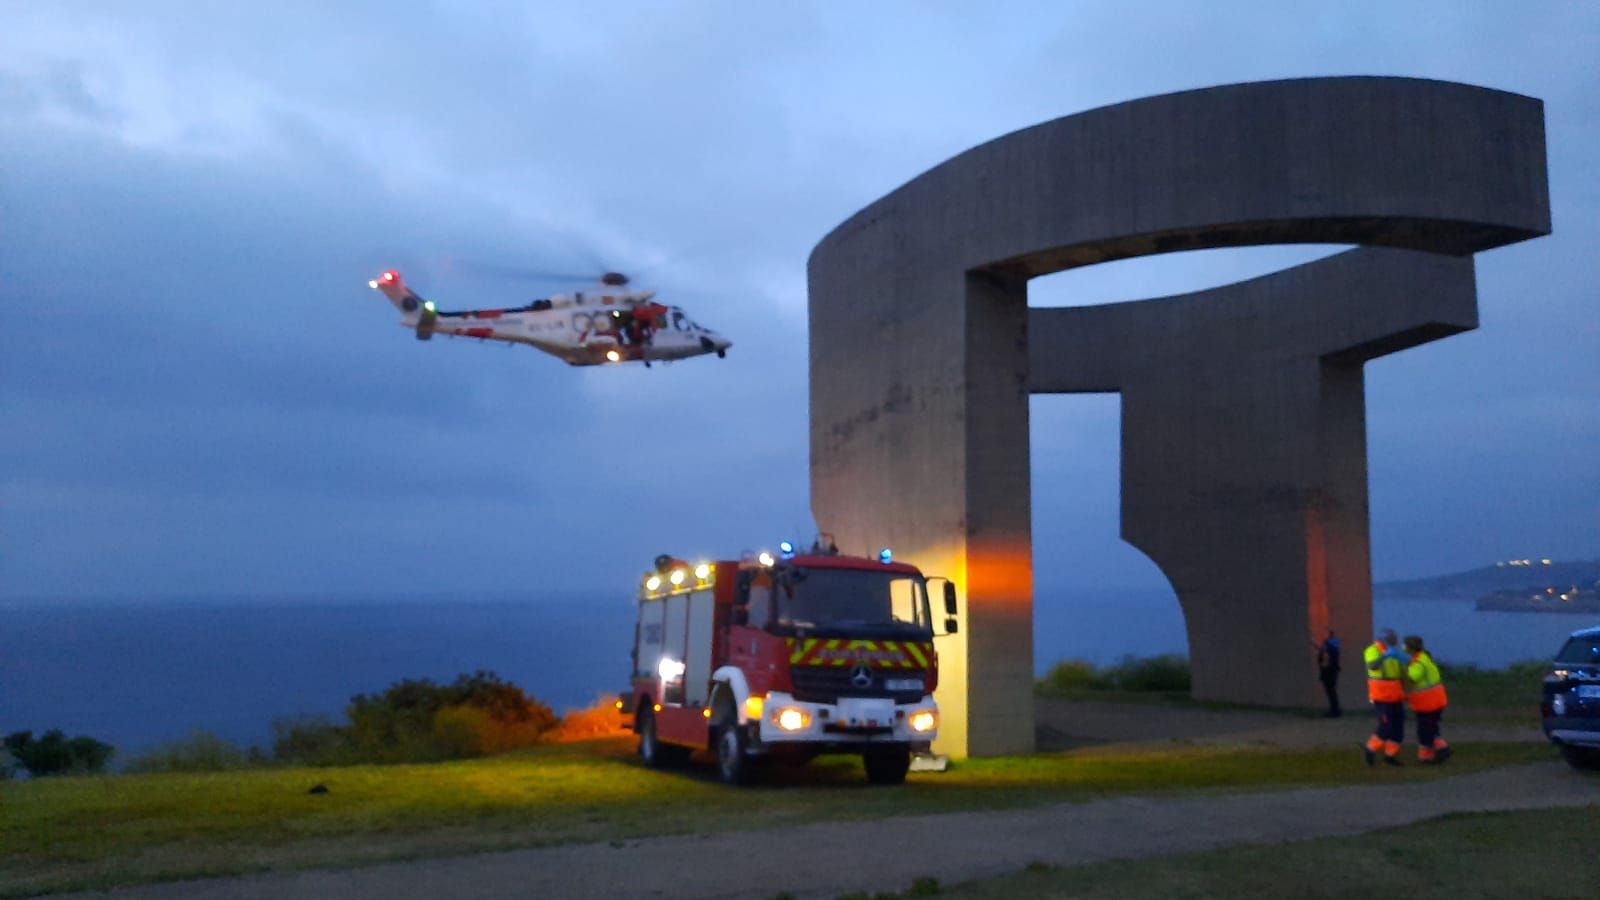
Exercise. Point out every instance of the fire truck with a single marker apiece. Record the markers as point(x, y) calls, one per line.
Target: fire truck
point(786, 657)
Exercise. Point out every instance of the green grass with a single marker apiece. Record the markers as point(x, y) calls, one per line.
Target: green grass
point(1540, 853)
point(94, 832)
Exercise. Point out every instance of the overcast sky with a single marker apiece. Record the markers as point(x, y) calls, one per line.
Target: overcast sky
point(199, 394)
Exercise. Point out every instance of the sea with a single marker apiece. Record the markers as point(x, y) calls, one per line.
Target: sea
point(138, 674)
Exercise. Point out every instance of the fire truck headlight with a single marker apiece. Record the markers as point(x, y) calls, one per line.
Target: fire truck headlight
point(791, 718)
point(670, 668)
point(924, 720)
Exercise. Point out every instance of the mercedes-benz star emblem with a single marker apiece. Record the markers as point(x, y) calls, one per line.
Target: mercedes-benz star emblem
point(861, 676)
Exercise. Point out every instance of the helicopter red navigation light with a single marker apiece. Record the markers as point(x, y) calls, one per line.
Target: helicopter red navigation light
point(389, 276)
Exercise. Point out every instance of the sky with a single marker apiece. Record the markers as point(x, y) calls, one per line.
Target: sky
point(199, 396)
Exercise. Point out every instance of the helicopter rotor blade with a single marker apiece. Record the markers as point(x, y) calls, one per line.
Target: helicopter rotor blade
point(486, 269)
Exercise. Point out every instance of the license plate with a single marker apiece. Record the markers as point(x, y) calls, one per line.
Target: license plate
point(903, 684)
point(1589, 691)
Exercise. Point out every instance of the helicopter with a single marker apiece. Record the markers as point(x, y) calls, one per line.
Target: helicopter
point(607, 324)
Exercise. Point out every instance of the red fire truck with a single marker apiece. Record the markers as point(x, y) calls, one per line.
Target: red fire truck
point(786, 657)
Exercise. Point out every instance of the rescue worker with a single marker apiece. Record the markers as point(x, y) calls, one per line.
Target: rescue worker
point(1425, 695)
point(1328, 672)
point(1386, 689)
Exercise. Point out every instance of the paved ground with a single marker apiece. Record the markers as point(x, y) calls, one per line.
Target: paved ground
point(826, 860)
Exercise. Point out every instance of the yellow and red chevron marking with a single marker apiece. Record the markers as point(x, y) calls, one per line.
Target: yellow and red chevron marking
point(841, 652)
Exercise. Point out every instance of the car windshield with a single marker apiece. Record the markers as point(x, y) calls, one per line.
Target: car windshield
point(852, 599)
point(1580, 650)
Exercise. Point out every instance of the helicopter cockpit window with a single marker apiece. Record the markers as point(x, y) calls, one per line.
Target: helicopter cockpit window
point(679, 320)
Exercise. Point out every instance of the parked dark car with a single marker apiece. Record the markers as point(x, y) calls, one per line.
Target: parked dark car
point(1571, 707)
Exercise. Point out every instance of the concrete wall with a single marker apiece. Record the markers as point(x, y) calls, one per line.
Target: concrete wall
point(922, 361)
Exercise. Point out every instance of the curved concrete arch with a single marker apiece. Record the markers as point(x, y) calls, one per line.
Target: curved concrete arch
point(922, 359)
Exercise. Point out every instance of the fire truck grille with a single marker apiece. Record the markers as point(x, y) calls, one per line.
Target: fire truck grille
point(819, 684)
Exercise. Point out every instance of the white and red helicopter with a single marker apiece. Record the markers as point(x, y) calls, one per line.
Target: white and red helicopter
point(602, 325)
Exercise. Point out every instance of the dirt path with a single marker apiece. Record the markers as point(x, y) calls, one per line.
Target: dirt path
point(826, 860)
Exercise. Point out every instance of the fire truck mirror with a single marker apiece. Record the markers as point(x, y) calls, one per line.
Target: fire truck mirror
point(950, 601)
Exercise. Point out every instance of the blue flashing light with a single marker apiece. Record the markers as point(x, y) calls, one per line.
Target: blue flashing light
point(885, 557)
point(786, 549)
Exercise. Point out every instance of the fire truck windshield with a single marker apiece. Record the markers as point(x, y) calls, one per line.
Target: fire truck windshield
point(853, 600)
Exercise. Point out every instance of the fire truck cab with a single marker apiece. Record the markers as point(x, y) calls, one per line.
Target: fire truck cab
point(787, 658)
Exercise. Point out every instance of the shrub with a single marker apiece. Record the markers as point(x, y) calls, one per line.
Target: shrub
point(599, 719)
point(311, 741)
point(8, 765)
point(416, 720)
point(1152, 673)
point(1069, 675)
point(55, 754)
point(202, 751)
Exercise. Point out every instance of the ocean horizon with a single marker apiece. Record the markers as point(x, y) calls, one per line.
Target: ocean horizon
point(141, 672)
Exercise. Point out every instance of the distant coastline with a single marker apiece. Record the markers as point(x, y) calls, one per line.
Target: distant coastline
point(1518, 585)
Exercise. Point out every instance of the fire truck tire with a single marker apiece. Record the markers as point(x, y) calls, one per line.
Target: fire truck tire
point(887, 765)
point(733, 763)
point(655, 754)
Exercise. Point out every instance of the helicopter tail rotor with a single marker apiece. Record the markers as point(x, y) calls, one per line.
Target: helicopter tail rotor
point(420, 314)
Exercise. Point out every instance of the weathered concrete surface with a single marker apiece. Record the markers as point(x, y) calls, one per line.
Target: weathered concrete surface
point(1244, 459)
point(920, 353)
point(833, 858)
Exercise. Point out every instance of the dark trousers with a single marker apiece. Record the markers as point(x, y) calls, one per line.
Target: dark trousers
point(1391, 721)
point(1428, 727)
point(1330, 686)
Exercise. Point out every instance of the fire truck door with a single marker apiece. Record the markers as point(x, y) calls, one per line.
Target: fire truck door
point(697, 655)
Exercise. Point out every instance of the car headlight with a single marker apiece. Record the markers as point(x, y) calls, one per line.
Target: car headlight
point(923, 721)
point(791, 718)
point(1555, 675)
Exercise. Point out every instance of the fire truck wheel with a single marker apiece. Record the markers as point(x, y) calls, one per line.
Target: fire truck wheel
point(887, 765)
point(732, 763)
point(655, 754)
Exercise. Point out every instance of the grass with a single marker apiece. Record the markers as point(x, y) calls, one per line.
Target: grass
point(1539, 853)
point(96, 832)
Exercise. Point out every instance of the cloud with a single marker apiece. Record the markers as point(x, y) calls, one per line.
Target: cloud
point(202, 395)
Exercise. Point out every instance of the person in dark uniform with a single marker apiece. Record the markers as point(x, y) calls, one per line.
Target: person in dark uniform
point(1328, 672)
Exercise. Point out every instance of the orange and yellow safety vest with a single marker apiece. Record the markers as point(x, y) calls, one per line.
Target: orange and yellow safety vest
point(1425, 687)
point(1383, 675)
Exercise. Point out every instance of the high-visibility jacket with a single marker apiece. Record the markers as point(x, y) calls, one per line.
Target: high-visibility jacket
point(1424, 687)
point(1383, 674)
